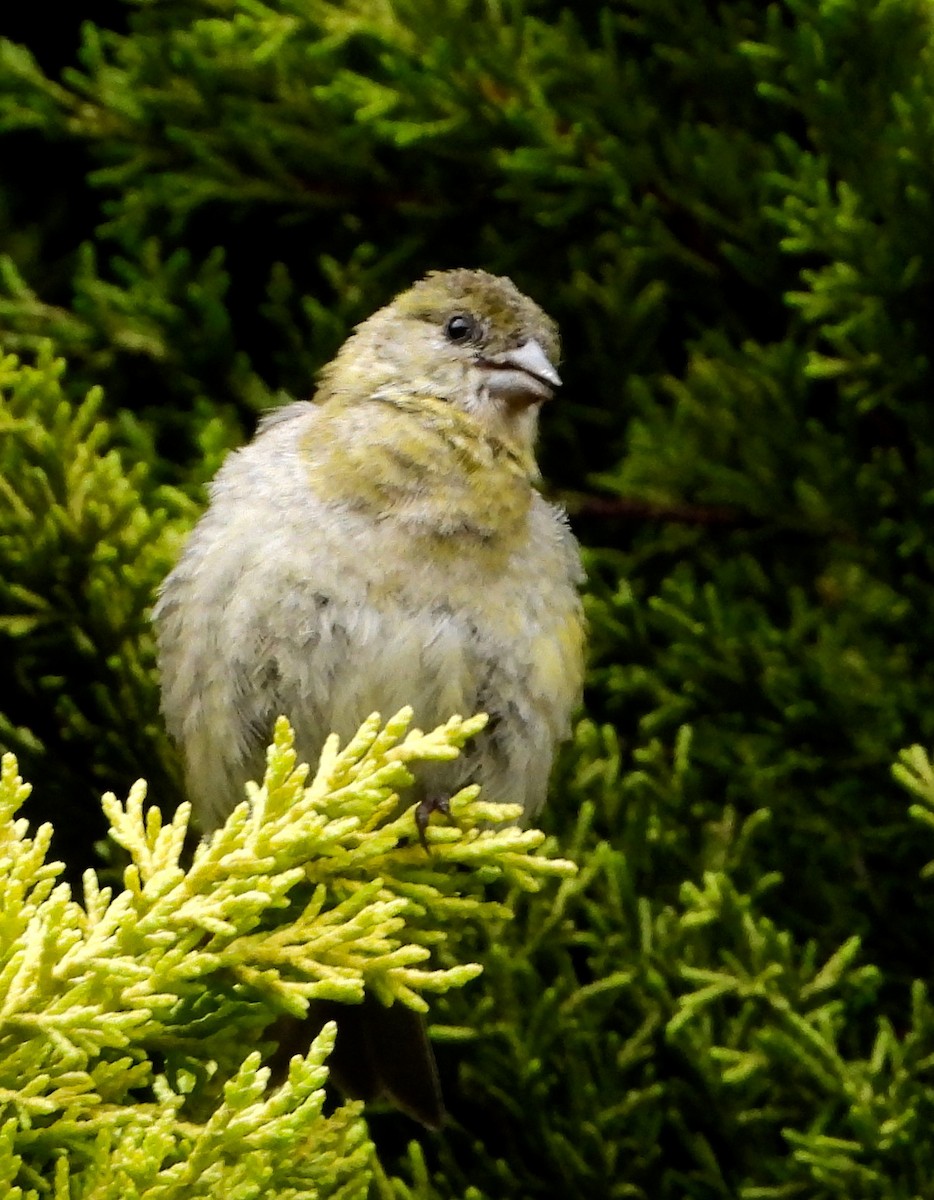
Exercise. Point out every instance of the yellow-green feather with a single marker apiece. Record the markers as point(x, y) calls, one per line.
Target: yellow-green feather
point(421, 451)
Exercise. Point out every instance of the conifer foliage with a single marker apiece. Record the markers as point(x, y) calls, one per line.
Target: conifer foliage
point(729, 209)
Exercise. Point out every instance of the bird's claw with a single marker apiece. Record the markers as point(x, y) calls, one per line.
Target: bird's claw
point(423, 811)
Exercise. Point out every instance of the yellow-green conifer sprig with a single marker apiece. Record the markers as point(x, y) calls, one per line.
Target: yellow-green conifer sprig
point(317, 890)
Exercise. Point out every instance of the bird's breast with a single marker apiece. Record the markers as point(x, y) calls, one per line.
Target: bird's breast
point(428, 469)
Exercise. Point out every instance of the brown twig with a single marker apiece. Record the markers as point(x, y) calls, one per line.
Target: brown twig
point(617, 508)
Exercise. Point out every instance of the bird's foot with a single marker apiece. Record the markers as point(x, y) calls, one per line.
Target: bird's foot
point(423, 811)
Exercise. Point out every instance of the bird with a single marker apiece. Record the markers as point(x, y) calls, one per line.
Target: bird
point(386, 544)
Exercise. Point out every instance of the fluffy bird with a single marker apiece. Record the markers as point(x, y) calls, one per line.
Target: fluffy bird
point(381, 545)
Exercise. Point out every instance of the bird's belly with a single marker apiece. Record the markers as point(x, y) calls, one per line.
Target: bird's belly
point(368, 660)
point(454, 655)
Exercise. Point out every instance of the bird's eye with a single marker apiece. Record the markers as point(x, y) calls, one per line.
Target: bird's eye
point(460, 328)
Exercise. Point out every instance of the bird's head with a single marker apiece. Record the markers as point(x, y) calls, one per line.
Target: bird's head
point(464, 337)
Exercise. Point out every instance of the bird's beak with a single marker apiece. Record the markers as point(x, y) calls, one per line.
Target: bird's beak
point(522, 376)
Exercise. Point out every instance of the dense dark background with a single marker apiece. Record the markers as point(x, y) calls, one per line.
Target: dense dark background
point(730, 211)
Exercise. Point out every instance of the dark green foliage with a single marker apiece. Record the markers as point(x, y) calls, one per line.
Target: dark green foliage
point(730, 211)
point(82, 535)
